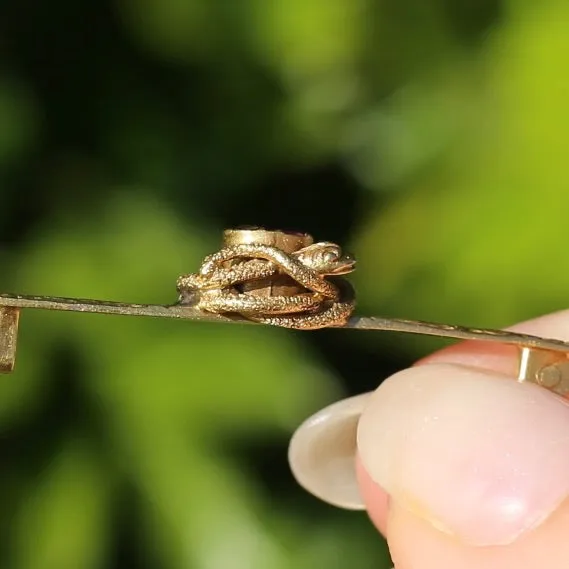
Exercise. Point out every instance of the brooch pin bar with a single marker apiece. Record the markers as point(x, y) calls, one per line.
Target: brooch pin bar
point(285, 279)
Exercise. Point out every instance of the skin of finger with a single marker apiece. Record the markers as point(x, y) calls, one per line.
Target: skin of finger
point(375, 498)
point(415, 544)
point(491, 356)
point(495, 357)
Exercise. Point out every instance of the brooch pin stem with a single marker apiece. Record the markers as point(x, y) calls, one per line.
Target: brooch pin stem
point(286, 279)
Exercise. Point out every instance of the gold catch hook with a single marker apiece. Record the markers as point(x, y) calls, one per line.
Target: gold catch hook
point(9, 317)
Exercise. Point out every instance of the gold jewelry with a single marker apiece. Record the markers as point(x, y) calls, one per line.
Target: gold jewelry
point(311, 300)
point(285, 279)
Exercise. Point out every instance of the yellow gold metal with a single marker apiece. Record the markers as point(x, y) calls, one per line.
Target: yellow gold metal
point(285, 279)
point(278, 284)
point(546, 368)
point(288, 241)
point(9, 317)
point(226, 279)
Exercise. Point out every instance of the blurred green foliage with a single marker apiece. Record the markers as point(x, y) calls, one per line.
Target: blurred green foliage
point(429, 136)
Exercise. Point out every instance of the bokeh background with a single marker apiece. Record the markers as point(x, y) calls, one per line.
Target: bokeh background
point(427, 136)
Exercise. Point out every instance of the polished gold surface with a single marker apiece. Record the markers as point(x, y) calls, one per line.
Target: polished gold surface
point(285, 279)
point(289, 242)
point(546, 368)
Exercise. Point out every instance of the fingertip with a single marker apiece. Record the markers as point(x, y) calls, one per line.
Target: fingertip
point(461, 446)
point(416, 544)
point(375, 498)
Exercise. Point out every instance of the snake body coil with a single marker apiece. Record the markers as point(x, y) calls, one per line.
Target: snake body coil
point(321, 304)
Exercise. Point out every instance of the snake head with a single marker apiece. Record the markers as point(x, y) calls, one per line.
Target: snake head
point(327, 259)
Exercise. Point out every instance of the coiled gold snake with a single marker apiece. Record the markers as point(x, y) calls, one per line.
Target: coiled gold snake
point(215, 288)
